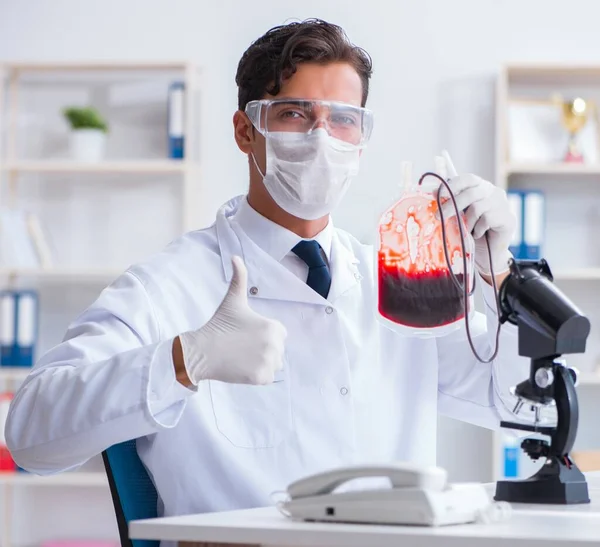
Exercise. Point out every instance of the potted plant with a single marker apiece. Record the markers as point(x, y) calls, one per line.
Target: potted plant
point(88, 133)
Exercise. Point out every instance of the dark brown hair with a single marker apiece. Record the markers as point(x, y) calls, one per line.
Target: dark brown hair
point(275, 56)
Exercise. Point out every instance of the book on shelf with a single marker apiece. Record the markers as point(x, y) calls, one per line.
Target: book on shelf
point(528, 207)
point(176, 120)
point(19, 318)
point(23, 242)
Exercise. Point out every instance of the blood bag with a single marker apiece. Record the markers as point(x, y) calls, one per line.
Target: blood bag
point(421, 285)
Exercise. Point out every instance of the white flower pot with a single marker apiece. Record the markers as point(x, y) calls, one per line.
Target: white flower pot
point(88, 145)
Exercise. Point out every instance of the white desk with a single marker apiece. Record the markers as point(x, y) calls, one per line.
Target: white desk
point(528, 526)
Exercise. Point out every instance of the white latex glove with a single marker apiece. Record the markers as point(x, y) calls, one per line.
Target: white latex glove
point(237, 345)
point(486, 210)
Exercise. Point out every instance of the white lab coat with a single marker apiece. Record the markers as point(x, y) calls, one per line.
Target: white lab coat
point(352, 391)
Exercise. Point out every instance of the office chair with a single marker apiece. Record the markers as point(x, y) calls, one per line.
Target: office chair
point(131, 488)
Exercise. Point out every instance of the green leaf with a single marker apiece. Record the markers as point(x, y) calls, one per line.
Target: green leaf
point(85, 118)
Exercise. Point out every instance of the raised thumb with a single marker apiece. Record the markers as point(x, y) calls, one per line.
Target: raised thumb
point(238, 286)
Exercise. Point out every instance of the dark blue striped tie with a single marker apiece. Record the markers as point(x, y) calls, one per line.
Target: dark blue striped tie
point(319, 277)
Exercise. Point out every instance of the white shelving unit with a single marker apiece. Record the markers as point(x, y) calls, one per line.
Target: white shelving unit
point(580, 274)
point(512, 169)
point(90, 480)
point(61, 275)
point(579, 278)
point(106, 167)
point(184, 173)
point(589, 380)
point(13, 483)
point(178, 179)
point(75, 478)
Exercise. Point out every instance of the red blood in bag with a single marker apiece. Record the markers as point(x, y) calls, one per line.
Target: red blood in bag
point(416, 286)
point(419, 300)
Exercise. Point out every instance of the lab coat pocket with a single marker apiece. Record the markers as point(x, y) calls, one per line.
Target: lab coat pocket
point(250, 416)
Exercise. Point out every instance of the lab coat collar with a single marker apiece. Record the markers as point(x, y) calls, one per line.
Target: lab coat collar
point(269, 278)
point(344, 272)
point(272, 238)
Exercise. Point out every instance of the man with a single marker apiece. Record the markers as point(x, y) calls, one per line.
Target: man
point(247, 354)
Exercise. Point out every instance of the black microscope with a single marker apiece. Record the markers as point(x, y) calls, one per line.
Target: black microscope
point(549, 325)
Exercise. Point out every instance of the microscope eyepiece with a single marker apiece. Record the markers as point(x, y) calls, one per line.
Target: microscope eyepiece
point(549, 323)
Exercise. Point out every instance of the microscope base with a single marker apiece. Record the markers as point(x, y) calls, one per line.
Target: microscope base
point(553, 484)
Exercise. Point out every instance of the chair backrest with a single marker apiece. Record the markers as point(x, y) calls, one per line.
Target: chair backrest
point(133, 493)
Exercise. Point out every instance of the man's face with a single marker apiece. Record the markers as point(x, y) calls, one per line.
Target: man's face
point(332, 82)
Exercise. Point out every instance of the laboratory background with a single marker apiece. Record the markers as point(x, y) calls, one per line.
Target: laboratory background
point(116, 136)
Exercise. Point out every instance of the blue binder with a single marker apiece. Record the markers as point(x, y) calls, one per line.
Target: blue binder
point(8, 324)
point(529, 209)
point(511, 458)
point(533, 224)
point(26, 327)
point(176, 120)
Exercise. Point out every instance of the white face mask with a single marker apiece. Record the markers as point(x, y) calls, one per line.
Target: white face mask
point(308, 174)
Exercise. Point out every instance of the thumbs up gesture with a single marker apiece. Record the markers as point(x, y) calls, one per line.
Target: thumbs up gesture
point(237, 345)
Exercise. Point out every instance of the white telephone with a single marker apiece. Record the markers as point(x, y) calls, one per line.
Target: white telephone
point(418, 495)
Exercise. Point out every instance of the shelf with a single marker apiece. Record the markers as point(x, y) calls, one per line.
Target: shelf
point(74, 273)
point(95, 65)
point(552, 169)
point(66, 166)
point(57, 74)
point(72, 478)
point(536, 74)
point(577, 274)
point(589, 379)
point(14, 373)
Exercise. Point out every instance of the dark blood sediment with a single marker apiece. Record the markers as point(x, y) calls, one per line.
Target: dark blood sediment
point(420, 300)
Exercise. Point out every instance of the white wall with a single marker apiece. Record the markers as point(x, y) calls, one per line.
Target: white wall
point(434, 67)
point(434, 63)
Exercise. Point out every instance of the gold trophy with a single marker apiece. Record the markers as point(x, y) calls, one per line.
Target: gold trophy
point(575, 114)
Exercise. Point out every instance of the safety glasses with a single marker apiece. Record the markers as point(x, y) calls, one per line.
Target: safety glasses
point(346, 122)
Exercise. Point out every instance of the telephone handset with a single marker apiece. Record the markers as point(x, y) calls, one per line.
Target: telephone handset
point(400, 476)
point(419, 495)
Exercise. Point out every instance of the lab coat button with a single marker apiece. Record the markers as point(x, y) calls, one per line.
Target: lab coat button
point(344, 391)
point(328, 310)
point(253, 291)
point(357, 276)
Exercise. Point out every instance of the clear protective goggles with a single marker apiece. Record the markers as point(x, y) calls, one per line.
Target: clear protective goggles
point(345, 122)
